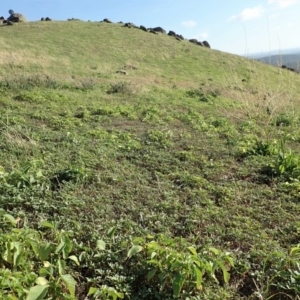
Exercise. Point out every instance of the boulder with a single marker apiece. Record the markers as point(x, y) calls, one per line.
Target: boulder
point(200, 44)
point(143, 28)
point(194, 41)
point(159, 29)
point(107, 20)
point(42, 19)
point(2, 18)
point(172, 33)
point(14, 17)
point(180, 36)
point(130, 25)
point(206, 44)
point(48, 19)
point(73, 19)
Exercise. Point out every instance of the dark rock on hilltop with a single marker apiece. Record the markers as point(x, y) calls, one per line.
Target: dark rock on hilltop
point(172, 33)
point(48, 19)
point(130, 25)
point(178, 37)
point(206, 44)
point(73, 19)
point(14, 17)
point(107, 20)
point(143, 28)
point(159, 29)
point(203, 44)
point(42, 19)
point(194, 41)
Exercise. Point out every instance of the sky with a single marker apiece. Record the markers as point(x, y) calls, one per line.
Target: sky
point(240, 27)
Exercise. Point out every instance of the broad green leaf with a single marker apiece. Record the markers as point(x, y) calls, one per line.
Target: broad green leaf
point(214, 250)
point(101, 245)
point(226, 275)
point(10, 219)
point(47, 224)
point(8, 253)
point(37, 292)
point(177, 284)
point(41, 281)
point(61, 266)
point(70, 283)
point(17, 254)
point(295, 250)
point(75, 259)
point(44, 251)
point(111, 231)
point(230, 260)
point(198, 275)
point(92, 291)
point(46, 271)
point(192, 250)
point(34, 246)
point(60, 246)
point(151, 274)
point(68, 247)
point(134, 250)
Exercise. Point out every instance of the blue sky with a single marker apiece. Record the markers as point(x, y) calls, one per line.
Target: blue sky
point(236, 26)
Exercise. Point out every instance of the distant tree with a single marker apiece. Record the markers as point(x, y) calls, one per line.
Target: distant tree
point(11, 12)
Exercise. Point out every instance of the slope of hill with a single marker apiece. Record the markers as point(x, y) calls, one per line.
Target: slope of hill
point(176, 177)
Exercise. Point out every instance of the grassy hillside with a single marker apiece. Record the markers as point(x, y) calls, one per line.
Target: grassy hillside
point(179, 180)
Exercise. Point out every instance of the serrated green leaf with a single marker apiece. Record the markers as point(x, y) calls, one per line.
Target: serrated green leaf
point(101, 245)
point(37, 292)
point(70, 283)
point(61, 266)
point(134, 250)
point(10, 219)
